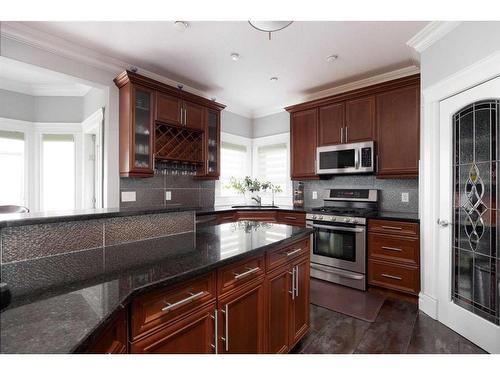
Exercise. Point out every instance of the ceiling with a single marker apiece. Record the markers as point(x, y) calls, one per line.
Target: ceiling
point(200, 56)
point(33, 80)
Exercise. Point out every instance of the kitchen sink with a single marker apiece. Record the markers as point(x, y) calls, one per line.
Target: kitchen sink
point(254, 206)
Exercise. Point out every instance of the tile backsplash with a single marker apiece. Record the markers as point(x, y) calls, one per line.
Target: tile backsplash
point(390, 191)
point(184, 190)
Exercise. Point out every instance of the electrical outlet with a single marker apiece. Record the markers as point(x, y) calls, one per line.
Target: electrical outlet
point(315, 195)
point(128, 196)
point(168, 195)
point(405, 197)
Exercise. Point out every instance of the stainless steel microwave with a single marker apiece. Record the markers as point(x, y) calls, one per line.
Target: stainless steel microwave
point(345, 158)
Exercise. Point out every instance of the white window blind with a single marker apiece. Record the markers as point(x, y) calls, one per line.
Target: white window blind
point(272, 164)
point(233, 164)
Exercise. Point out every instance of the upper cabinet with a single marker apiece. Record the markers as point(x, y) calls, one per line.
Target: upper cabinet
point(398, 131)
point(303, 135)
point(162, 123)
point(387, 113)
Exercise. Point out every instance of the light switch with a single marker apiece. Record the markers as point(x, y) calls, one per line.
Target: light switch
point(168, 195)
point(315, 195)
point(405, 197)
point(128, 196)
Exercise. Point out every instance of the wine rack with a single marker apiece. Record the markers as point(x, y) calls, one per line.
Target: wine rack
point(176, 143)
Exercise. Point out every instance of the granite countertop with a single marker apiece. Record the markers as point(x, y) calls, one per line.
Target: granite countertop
point(59, 302)
point(11, 220)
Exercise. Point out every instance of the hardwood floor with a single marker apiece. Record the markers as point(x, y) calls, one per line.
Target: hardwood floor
point(399, 328)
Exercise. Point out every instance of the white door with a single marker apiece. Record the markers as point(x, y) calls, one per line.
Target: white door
point(469, 255)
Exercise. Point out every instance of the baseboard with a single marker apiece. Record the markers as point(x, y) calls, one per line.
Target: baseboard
point(428, 305)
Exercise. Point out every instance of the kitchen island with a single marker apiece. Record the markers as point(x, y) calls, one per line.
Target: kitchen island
point(240, 287)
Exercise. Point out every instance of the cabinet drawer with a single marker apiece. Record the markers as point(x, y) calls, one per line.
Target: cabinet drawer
point(159, 308)
point(256, 215)
point(394, 276)
point(292, 218)
point(278, 257)
point(239, 273)
point(394, 227)
point(394, 248)
point(227, 217)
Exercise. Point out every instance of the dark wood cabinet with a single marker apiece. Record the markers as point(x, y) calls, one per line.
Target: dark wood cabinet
point(159, 122)
point(331, 124)
point(360, 120)
point(299, 322)
point(398, 132)
point(194, 334)
point(242, 320)
point(279, 286)
point(113, 339)
point(303, 133)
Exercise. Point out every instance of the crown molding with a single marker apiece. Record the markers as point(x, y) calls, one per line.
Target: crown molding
point(56, 89)
point(22, 33)
point(430, 34)
point(376, 79)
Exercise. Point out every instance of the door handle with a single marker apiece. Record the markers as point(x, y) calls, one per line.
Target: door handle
point(292, 292)
point(346, 134)
point(443, 223)
point(296, 281)
point(215, 345)
point(225, 338)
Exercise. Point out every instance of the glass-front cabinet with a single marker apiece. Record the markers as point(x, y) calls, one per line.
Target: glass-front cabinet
point(142, 128)
point(211, 167)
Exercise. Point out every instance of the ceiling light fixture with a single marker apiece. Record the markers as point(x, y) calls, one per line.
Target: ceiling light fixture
point(181, 25)
point(235, 56)
point(269, 26)
point(332, 58)
point(273, 79)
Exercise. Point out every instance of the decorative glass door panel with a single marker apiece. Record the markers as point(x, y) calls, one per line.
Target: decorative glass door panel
point(476, 279)
point(142, 130)
point(213, 143)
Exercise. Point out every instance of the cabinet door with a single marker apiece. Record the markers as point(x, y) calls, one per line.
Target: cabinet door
point(279, 285)
point(213, 143)
point(303, 133)
point(398, 132)
point(142, 131)
point(360, 120)
point(113, 340)
point(193, 334)
point(242, 320)
point(168, 109)
point(299, 321)
point(193, 115)
point(331, 124)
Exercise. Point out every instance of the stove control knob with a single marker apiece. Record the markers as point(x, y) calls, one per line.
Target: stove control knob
point(320, 217)
point(348, 220)
point(314, 217)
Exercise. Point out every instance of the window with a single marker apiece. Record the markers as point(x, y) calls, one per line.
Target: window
point(58, 172)
point(233, 164)
point(272, 164)
point(12, 165)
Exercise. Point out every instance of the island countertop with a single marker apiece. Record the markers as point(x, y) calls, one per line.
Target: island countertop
point(59, 302)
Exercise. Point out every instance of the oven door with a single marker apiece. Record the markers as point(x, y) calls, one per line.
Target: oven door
point(339, 246)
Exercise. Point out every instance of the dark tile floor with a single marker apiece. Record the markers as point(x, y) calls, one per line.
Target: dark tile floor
point(399, 328)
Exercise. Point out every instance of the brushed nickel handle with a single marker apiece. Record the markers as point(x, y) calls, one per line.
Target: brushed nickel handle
point(392, 276)
point(346, 139)
point(341, 135)
point(392, 228)
point(246, 273)
point(290, 253)
point(185, 116)
point(443, 223)
point(215, 345)
point(391, 248)
point(225, 338)
point(292, 292)
point(291, 217)
point(192, 296)
point(296, 281)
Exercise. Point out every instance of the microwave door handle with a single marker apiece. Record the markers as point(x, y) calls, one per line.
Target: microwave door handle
point(356, 158)
point(346, 229)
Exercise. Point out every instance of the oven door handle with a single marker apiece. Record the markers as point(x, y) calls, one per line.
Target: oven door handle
point(346, 229)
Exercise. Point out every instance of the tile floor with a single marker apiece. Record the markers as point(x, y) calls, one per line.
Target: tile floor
point(399, 328)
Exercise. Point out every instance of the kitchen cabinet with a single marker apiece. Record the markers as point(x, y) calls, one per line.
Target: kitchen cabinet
point(242, 320)
point(113, 339)
point(303, 139)
point(398, 132)
point(160, 122)
point(299, 322)
point(394, 255)
point(268, 216)
point(360, 120)
point(292, 218)
point(331, 124)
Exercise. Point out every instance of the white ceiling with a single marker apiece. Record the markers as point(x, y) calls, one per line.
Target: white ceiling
point(200, 56)
point(33, 80)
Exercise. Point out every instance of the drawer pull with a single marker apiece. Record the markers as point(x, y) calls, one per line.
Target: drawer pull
point(290, 253)
point(392, 276)
point(246, 273)
point(391, 248)
point(192, 296)
point(291, 217)
point(391, 228)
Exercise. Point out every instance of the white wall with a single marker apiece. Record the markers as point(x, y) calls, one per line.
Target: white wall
point(17, 106)
point(277, 123)
point(232, 123)
point(92, 101)
point(466, 44)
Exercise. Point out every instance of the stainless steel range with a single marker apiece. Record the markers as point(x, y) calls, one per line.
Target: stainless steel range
point(338, 253)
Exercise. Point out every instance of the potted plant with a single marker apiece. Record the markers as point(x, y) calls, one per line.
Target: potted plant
point(250, 187)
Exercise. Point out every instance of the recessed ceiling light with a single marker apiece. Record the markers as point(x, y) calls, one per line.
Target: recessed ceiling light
point(235, 56)
point(181, 25)
point(332, 58)
point(274, 79)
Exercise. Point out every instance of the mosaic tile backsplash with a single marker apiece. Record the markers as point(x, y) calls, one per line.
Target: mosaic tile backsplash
point(389, 191)
point(43, 240)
